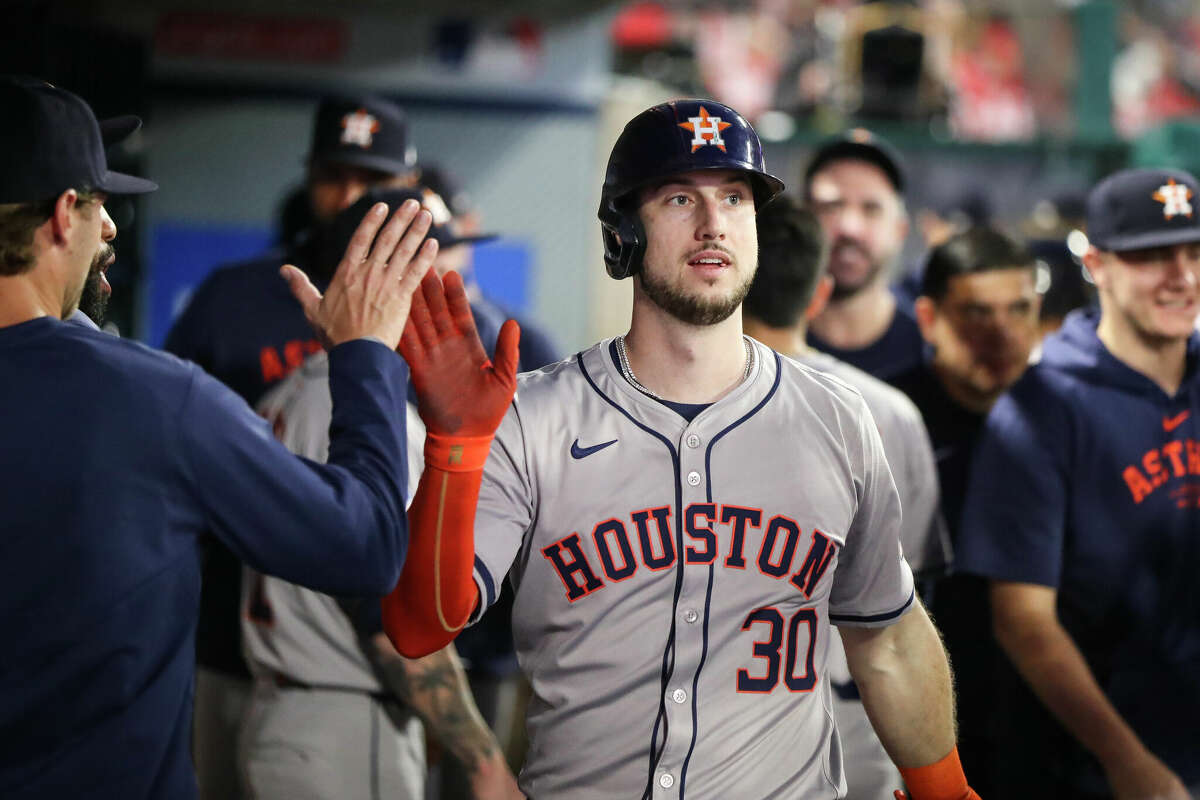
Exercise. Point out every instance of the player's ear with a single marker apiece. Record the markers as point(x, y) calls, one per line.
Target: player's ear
point(1093, 262)
point(61, 218)
point(925, 310)
point(820, 298)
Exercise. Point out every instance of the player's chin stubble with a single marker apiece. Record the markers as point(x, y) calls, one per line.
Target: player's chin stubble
point(691, 309)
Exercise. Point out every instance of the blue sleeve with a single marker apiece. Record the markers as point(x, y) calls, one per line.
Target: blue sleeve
point(340, 527)
point(1015, 508)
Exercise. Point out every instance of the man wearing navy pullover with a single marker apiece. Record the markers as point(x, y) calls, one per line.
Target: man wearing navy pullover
point(117, 458)
point(1084, 513)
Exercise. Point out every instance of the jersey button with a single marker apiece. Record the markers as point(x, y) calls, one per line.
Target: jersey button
point(694, 478)
point(693, 440)
point(679, 696)
point(690, 616)
point(666, 781)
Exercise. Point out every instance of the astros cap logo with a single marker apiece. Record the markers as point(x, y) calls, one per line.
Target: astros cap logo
point(1174, 197)
point(359, 128)
point(705, 130)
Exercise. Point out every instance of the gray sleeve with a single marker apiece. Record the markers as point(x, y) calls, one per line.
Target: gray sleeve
point(923, 532)
point(873, 584)
point(505, 510)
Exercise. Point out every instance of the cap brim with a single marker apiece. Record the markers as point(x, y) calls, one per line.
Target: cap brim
point(1141, 241)
point(391, 166)
point(457, 240)
point(120, 183)
point(117, 129)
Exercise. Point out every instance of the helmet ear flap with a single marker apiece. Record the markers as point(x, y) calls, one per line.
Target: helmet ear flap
point(624, 241)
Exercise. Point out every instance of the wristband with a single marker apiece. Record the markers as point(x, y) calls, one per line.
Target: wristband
point(941, 780)
point(456, 453)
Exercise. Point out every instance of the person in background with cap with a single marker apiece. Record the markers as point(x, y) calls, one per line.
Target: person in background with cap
point(1084, 510)
point(335, 709)
point(855, 185)
point(119, 459)
point(244, 328)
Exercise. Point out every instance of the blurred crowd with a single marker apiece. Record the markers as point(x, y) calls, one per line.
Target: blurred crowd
point(977, 70)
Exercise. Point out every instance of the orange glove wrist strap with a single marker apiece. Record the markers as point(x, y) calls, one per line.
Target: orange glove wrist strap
point(457, 453)
point(941, 780)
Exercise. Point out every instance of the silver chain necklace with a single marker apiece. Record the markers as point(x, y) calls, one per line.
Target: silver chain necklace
point(627, 370)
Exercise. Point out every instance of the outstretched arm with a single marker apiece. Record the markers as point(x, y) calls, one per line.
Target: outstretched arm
point(462, 397)
point(904, 677)
point(436, 688)
point(1027, 627)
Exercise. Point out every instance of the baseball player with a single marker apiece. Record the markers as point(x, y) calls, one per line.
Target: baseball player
point(244, 328)
point(790, 287)
point(682, 512)
point(1090, 540)
point(120, 459)
point(336, 711)
point(855, 184)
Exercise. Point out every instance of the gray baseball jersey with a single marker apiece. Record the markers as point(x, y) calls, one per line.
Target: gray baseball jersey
point(287, 629)
point(870, 773)
point(675, 582)
point(335, 739)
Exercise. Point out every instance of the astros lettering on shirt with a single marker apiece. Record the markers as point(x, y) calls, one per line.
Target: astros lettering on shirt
point(675, 579)
point(1088, 480)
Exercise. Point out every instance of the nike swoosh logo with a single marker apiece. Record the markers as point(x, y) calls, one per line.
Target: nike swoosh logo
point(584, 452)
point(1171, 423)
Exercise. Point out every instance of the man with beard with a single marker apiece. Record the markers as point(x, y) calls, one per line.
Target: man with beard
point(245, 328)
point(1083, 514)
point(855, 185)
point(978, 310)
point(119, 460)
point(790, 287)
point(682, 513)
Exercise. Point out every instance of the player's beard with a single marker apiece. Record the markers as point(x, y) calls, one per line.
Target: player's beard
point(93, 300)
point(842, 288)
point(691, 309)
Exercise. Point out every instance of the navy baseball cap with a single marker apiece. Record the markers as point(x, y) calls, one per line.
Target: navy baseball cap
point(363, 131)
point(1138, 208)
point(858, 144)
point(51, 141)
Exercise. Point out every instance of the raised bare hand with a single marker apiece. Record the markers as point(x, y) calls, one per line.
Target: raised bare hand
point(371, 291)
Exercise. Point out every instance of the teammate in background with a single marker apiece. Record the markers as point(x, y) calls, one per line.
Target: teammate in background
point(978, 310)
point(98, 618)
point(330, 690)
point(1090, 539)
point(682, 513)
point(855, 184)
point(244, 328)
point(789, 288)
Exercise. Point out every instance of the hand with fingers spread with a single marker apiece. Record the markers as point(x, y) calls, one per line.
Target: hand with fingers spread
point(460, 392)
point(372, 289)
point(462, 398)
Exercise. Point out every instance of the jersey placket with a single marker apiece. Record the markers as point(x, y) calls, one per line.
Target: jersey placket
point(691, 626)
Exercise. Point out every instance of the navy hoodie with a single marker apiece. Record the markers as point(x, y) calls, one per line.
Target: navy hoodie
point(1087, 480)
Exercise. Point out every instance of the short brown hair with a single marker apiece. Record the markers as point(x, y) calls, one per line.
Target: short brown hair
point(18, 221)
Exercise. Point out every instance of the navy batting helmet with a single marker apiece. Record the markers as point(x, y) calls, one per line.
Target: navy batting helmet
point(670, 139)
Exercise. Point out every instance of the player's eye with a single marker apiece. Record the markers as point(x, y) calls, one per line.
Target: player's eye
point(734, 199)
point(677, 200)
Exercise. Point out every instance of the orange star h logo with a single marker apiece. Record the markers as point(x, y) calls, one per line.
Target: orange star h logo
point(706, 130)
point(1174, 197)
